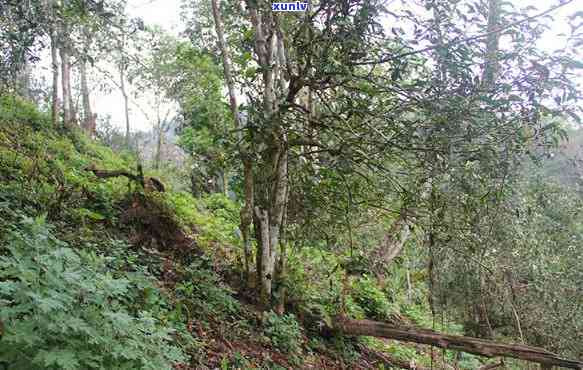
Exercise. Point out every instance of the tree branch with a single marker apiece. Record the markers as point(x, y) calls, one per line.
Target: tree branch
point(390, 58)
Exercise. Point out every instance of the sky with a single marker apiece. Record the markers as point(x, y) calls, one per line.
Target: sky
point(166, 14)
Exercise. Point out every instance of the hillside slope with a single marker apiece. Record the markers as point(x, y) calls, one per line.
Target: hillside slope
point(97, 273)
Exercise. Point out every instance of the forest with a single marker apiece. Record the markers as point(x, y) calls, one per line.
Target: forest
point(317, 184)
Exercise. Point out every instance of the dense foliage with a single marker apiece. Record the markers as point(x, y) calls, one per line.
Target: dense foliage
point(415, 163)
point(70, 310)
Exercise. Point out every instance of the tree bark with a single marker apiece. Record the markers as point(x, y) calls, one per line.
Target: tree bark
point(409, 286)
point(392, 243)
point(88, 119)
point(122, 87)
point(266, 204)
point(491, 64)
point(125, 101)
point(55, 69)
point(224, 47)
point(266, 257)
point(64, 52)
point(159, 137)
point(274, 174)
point(246, 217)
point(66, 84)
point(24, 80)
point(145, 182)
point(247, 210)
point(280, 273)
point(475, 346)
point(88, 116)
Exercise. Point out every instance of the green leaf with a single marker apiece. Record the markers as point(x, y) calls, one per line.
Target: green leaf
point(63, 359)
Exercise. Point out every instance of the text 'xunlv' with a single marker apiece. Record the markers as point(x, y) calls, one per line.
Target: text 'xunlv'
point(289, 7)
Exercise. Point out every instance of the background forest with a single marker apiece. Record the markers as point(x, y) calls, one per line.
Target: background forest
point(369, 184)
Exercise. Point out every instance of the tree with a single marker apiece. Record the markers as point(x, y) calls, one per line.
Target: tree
point(153, 75)
point(381, 109)
point(63, 23)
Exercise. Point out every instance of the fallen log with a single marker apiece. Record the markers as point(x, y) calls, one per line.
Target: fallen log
point(475, 346)
point(106, 174)
point(149, 183)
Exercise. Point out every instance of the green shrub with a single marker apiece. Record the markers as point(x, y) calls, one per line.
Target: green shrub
point(16, 109)
point(63, 309)
point(406, 353)
point(284, 332)
point(222, 206)
point(469, 361)
point(183, 206)
point(372, 299)
point(204, 294)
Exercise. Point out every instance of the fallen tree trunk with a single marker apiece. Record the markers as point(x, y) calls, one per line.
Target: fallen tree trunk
point(106, 174)
point(475, 346)
point(148, 183)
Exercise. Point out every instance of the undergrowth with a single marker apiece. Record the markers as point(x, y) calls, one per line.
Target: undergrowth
point(67, 309)
point(78, 290)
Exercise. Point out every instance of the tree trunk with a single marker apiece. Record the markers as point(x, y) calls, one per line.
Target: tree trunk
point(122, 85)
point(475, 346)
point(258, 249)
point(66, 85)
point(392, 243)
point(147, 183)
point(247, 210)
point(73, 107)
point(280, 279)
point(266, 257)
point(267, 208)
point(274, 173)
point(409, 286)
point(159, 141)
point(88, 116)
point(24, 80)
point(271, 206)
point(225, 182)
point(55, 69)
point(491, 63)
point(65, 53)
point(88, 119)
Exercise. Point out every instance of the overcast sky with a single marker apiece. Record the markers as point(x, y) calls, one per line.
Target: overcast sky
point(166, 14)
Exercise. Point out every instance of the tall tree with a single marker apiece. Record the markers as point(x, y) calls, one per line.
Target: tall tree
point(88, 115)
point(55, 82)
point(122, 67)
point(384, 115)
point(247, 210)
point(66, 81)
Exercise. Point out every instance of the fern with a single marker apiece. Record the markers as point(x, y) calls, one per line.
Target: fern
point(61, 309)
